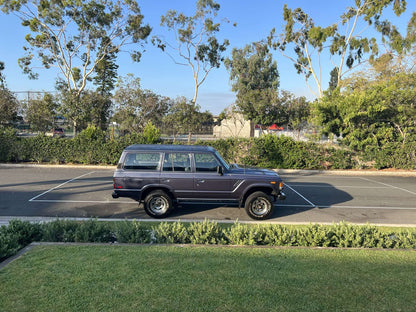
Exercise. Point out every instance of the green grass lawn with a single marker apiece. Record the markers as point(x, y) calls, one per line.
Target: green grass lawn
point(186, 278)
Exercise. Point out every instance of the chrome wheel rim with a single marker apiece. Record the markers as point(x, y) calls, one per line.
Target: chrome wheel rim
point(158, 205)
point(260, 206)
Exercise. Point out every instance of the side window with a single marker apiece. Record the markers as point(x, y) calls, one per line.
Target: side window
point(142, 161)
point(177, 162)
point(206, 163)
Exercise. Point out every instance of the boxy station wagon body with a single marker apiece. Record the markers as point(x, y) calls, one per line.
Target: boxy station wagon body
point(162, 175)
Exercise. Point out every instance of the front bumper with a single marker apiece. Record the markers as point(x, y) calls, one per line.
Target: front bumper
point(281, 196)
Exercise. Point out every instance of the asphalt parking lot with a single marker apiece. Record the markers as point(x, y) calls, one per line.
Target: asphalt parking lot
point(312, 197)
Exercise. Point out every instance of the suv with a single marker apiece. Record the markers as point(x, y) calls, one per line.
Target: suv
point(163, 175)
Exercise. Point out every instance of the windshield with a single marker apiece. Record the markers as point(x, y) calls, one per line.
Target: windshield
point(223, 162)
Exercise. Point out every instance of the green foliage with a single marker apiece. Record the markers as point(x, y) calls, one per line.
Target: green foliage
point(151, 134)
point(135, 107)
point(375, 117)
point(76, 36)
point(60, 231)
point(170, 233)
point(255, 78)
point(347, 45)
point(16, 236)
point(19, 234)
point(41, 112)
point(8, 142)
point(196, 42)
point(206, 232)
point(9, 105)
point(132, 232)
point(93, 231)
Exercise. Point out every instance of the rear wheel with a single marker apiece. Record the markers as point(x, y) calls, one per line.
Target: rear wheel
point(158, 204)
point(259, 206)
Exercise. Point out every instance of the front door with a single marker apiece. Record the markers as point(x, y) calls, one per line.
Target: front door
point(208, 183)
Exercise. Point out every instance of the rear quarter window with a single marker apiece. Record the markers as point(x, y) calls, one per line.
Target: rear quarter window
point(142, 161)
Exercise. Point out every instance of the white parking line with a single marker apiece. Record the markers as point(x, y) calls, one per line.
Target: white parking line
point(389, 185)
point(369, 207)
point(83, 201)
point(56, 187)
point(341, 186)
point(303, 197)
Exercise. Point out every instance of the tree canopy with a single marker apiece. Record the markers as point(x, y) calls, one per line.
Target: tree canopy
point(76, 35)
point(346, 45)
point(255, 78)
point(196, 43)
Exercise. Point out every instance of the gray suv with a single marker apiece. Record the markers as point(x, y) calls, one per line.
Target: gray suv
point(162, 175)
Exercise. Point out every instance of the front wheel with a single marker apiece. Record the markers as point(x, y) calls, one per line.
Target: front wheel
point(158, 204)
point(259, 206)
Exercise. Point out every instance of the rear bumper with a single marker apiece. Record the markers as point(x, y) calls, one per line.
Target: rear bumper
point(126, 193)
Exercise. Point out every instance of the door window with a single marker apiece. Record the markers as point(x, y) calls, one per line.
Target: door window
point(177, 162)
point(206, 163)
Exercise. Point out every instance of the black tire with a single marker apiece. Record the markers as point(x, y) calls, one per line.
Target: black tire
point(259, 206)
point(158, 204)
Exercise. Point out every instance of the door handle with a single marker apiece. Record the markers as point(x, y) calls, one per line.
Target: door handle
point(166, 181)
point(201, 181)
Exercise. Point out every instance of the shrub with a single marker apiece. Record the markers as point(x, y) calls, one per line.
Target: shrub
point(60, 231)
point(19, 234)
point(132, 232)
point(170, 233)
point(94, 231)
point(205, 233)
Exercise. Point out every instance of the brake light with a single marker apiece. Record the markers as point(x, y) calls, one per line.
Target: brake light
point(114, 185)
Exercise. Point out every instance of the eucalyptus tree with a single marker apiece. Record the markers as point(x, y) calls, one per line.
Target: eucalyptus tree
point(76, 35)
point(196, 43)
point(345, 43)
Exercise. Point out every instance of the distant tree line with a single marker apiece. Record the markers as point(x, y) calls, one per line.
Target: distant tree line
point(369, 102)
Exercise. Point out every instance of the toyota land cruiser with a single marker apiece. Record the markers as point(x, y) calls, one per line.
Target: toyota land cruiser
point(162, 175)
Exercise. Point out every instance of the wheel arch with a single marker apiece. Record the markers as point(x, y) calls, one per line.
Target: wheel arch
point(152, 188)
point(265, 189)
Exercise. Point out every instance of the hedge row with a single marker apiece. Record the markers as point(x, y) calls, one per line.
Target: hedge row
point(21, 233)
point(92, 146)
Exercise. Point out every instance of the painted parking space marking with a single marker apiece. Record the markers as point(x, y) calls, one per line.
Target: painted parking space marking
point(368, 207)
point(60, 185)
point(389, 185)
point(380, 185)
point(299, 194)
point(83, 201)
point(37, 197)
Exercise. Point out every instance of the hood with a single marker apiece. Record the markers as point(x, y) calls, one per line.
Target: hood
point(252, 171)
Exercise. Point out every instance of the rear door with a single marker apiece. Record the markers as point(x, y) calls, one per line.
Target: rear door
point(177, 174)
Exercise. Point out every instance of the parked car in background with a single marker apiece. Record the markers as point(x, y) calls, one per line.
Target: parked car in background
point(58, 132)
point(161, 176)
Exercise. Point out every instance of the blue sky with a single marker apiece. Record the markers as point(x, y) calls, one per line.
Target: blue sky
point(157, 71)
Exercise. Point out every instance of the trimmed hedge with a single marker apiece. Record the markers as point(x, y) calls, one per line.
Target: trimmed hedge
point(20, 233)
point(92, 146)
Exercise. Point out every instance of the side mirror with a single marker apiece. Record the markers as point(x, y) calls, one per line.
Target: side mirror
point(220, 170)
